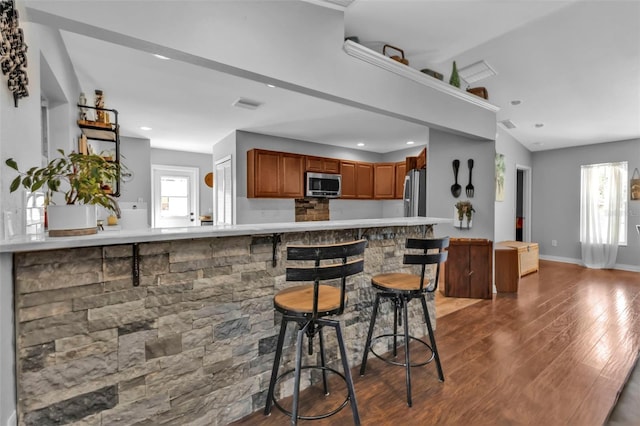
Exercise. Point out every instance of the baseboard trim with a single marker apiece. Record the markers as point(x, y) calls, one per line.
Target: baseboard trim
point(619, 266)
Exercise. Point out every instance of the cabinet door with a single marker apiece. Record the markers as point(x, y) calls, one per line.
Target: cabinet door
point(291, 175)
point(480, 270)
point(364, 180)
point(457, 271)
point(314, 164)
point(331, 165)
point(266, 174)
point(384, 180)
point(401, 173)
point(348, 172)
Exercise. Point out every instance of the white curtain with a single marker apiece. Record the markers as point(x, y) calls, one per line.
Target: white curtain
point(601, 201)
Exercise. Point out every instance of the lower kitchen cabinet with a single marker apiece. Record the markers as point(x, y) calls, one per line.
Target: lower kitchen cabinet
point(469, 268)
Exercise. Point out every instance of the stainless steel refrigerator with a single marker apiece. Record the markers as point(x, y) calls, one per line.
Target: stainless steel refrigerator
point(415, 193)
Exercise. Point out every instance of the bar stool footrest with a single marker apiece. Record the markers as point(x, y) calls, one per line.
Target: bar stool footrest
point(390, 361)
point(318, 416)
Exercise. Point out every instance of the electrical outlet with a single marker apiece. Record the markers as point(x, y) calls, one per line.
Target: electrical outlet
point(554, 243)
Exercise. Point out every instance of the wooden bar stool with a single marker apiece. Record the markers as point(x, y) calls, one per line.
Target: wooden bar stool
point(401, 288)
point(307, 305)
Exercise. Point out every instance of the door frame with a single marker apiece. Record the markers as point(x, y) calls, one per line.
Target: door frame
point(195, 203)
point(216, 183)
point(526, 199)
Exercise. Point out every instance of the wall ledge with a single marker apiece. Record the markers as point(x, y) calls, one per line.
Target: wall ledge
point(365, 54)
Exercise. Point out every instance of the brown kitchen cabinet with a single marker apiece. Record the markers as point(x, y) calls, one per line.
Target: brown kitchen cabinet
point(322, 165)
point(357, 179)
point(401, 173)
point(272, 174)
point(384, 181)
point(469, 268)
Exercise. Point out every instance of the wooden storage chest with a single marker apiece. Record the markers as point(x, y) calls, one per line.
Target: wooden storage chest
point(527, 255)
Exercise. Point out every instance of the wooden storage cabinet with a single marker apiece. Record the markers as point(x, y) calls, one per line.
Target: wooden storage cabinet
point(357, 179)
point(469, 268)
point(401, 173)
point(528, 255)
point(384, 181)
point(272, 174)
point(322, 165)
point(507, 269)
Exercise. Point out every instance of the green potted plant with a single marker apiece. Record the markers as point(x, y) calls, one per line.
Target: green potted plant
point(464, 209)
point(84, 181)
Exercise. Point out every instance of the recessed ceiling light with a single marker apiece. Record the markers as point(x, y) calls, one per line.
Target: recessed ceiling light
point(360, 143)
point(538, 125)
point(270, 85)
point(161, 57)
point(145, 128)
point(516, 102)
point(410, 142)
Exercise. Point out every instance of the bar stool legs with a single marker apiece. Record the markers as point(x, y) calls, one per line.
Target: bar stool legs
point(304, 329)
point(401, 302)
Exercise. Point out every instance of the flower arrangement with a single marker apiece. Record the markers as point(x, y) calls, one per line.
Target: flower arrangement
point(464, 209)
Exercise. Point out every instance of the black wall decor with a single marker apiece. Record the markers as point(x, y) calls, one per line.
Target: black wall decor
point(13, 51)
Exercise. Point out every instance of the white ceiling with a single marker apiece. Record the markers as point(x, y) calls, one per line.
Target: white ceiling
point(574, 65)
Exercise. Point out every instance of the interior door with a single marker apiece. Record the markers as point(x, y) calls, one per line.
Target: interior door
point(175, 196)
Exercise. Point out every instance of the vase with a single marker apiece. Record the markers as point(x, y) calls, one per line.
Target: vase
point(72, 220)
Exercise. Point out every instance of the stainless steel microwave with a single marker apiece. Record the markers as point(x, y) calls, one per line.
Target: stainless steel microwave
point(323, 185)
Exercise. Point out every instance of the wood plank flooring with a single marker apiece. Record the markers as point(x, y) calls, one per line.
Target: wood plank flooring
point(556, 353)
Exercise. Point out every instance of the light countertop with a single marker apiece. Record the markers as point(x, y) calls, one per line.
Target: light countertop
point(35, 243)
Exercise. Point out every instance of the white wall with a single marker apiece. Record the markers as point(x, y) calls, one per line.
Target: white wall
point(556, 199)
point(505, 211)
point(293, 44)
point(443, 149)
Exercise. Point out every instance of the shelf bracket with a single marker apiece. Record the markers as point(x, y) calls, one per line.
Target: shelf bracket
point(275, 241)
point(135, 265)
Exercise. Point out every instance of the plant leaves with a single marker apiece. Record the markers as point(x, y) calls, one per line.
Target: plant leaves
point(12, 163)
point(15, 184)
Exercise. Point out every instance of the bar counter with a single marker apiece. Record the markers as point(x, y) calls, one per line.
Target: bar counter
point(172, 326)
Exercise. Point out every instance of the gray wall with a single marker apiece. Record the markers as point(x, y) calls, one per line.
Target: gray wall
point(203, 162)
point(443, 149)
point(505, 211)
point(257, 210)
point(556, 199)
point(135, 155)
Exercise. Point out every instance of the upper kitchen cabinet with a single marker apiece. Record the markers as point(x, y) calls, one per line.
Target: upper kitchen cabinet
point(357, 179)
point(272, 174)
point(322, 165)
point(385, 181)
point(401, 173)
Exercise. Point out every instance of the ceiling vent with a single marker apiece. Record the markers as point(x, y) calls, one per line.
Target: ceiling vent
point(246, 103)
point(476, 72)
point(507, 124)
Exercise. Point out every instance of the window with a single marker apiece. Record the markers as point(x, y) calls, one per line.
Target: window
point(603, 200)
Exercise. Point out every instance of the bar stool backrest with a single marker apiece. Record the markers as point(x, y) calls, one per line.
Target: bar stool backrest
point(426, 258)
point(330, 271)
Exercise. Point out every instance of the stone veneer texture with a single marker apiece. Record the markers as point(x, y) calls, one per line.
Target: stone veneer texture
point(312, 209)
point(192, 345)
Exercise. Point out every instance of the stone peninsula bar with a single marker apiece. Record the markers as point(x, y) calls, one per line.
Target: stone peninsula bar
point(172, 326)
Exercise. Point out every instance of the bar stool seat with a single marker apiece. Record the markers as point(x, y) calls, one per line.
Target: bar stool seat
point(400, 289)
point(308, 306)
point(299, 299)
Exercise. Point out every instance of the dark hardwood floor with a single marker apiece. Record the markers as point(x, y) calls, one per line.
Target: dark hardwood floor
point(556, 353)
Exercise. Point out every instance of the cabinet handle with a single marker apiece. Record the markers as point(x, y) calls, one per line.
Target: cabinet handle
point(470, 273)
